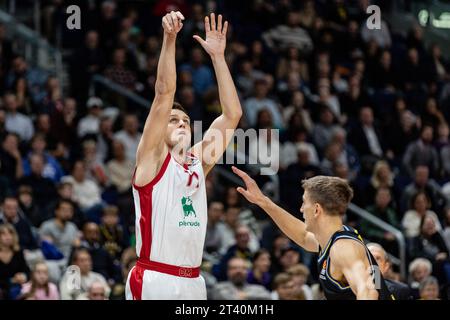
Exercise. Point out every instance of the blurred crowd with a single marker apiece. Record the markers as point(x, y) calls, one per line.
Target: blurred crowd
point(369, 106)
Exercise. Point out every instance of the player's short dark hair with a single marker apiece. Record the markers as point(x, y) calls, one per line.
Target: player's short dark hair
point(332, 193)
point(178, 106)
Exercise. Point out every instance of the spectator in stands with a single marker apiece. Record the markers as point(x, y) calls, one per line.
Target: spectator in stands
point(60, 231)
point(82, 259)
point(447, 227)
point(366, 136)
point(91, 122)
point(43, 188)
point(202, 76)
point(289, 34)
point(86, 192)
point(259, 101)
point(289, 257)
point(259, 274)
point(52, 168)
point(419, 269)
point(213, 240)
point(429, 289)
point(95, 168)
point(237, 288)
point(112, 235)
point(283, 287)
point(28, 206)
point(323, 131)
point(10, 214)
point(15, 121)
point(13, 268)
point(419, 208)
point(120, 169)
point(400, 290)
point(63, 123)
point(423, 182)
point(129, 136)
point(119, 72)
point(10, 158)
point(422, 153)
point(381, 209)
point(96, 291)
point(430, 244)
point(105, 139)
point(300, 275)
point(39, 287)
point(382, 177)
point(102, 261)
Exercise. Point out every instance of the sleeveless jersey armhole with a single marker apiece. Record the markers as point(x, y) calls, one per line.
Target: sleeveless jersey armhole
point(156, 179)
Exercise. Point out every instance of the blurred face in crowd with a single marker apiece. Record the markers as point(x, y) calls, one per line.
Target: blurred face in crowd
point(70, 107)
point(286, 290)
point(380, 257)
point(232, 197)
point(298, 99)
point(108, 9)
point(242, 237)
point(37, 164)
point(43, 123)
point(326, 117)
point(429, 226)
point(427, 134)
point(366, 116)
point(110, 220)
point(386, 59)
point(84, 262)
point(39, 144)
point(383, 198)
point(413, 56)
point(91, 232)
point(178, 130)
point(97, 291)
point(10, 208)
point(290, 258)
point(263, 262)
point(11, 142)
point(215, 211)
point(197, 56)
point(237, 271)
point(420, 272)
point(65, 191)
point(64, 212)
point(187, 97)
point(232, 216)
point(118, 150)
point(119, 57)
point(421, 203)
point(79, 171)
point(430, 292)
point(92, 39)
point(10, 102)
point(443, 131)
point(261, 89)
point(6, 238)
point(421, 176)
point(264, 119)
point(303, 157)
point(131, 124)
point(40, 274)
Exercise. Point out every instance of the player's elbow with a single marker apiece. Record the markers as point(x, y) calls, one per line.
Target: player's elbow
point(367, 294)
point(234, 115)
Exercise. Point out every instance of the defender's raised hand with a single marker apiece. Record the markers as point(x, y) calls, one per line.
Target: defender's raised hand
point(253, 194)
point(172, 23)
point(216, 36)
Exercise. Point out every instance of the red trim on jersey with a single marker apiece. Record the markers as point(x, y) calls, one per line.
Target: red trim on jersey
point(136, 278)
point(156, 178)
point(145, 222)
point(184, 272)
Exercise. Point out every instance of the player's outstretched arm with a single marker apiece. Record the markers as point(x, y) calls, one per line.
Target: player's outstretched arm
point(350, 257)
point(216, 139)
point(152, 149)
point(294, 228)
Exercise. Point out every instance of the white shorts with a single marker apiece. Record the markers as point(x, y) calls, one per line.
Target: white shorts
point(145, 284)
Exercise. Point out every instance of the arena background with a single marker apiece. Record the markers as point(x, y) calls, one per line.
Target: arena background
point(370, 106)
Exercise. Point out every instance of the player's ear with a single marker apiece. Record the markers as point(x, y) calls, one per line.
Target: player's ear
point(317, 209)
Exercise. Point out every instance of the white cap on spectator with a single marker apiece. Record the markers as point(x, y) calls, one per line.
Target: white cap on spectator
point(94, 101)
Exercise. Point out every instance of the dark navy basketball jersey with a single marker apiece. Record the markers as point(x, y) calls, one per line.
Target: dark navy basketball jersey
point(333, 289)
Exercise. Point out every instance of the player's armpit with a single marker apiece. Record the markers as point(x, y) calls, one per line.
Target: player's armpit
point(349, 257)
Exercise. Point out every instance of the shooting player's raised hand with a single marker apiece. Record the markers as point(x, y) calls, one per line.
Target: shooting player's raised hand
point(172, 23)
point(216, 36)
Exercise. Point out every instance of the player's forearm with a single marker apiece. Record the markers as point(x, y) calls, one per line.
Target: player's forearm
point(291, 226)
point(231, 106)
point(166, 76)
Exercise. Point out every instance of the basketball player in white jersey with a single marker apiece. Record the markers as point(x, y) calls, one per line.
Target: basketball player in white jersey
point(169, 179)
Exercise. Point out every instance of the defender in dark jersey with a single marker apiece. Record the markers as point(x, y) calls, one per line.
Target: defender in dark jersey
point(347, 269)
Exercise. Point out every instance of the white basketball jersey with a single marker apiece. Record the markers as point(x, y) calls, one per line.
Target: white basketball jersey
point(171, 214)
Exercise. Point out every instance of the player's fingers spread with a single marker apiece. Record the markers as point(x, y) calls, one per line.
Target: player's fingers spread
point(213, 22)
point(219, 23)
point(225, 28)
point(207, 25)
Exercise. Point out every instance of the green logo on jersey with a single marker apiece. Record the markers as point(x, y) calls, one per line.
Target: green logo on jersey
point(188, 209)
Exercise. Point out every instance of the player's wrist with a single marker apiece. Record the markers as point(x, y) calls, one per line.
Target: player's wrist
point(218, 57)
